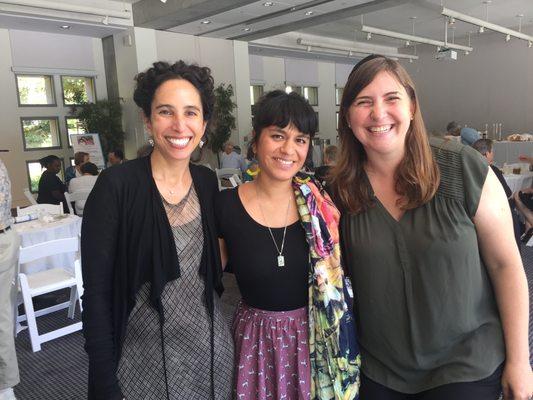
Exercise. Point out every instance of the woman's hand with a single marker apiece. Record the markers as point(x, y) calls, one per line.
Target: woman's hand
point(517, 381)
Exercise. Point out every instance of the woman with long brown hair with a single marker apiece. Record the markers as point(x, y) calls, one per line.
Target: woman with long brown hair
point(441, 297)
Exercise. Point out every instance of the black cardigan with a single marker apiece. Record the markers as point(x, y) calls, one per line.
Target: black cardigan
point(127, 241)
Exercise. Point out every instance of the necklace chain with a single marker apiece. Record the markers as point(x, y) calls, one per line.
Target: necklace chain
point(281, 258)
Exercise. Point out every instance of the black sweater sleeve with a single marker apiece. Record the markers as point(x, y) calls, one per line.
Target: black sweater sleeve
point(100, 230)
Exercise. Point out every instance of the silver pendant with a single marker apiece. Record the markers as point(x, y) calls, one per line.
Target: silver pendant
point(281, 261)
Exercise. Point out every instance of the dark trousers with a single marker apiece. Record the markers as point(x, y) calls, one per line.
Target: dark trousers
point(485, 389)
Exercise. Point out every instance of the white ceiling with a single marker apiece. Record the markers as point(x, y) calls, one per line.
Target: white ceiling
point(332, 20)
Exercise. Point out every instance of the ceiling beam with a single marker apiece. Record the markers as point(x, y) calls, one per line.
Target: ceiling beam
point(157, 15)
point(368, 7)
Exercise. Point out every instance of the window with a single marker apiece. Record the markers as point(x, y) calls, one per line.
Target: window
point(40, 133)
point(256, 91)
point(337, 119)
point(35, 90)
point(34, 170)
point(310, 93)
point(338, 95)
point(77, 90)
point(74, 127)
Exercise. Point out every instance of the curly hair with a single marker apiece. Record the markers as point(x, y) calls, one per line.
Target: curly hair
point(161, 71)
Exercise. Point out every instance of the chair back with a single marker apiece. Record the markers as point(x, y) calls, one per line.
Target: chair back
point(52, 209)
point(46, 249)
point(29, 196)
point(78, 195)
point(226, 174)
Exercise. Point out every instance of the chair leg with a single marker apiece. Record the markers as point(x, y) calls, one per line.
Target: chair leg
point(79, 282)
point(30, 313)
point(72, 305)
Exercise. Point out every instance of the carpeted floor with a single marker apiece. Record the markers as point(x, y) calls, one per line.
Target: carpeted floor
point(59, 370)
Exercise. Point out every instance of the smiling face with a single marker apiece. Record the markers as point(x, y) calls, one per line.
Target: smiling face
point(281, 152)
point(176, 122)
point(380, 116)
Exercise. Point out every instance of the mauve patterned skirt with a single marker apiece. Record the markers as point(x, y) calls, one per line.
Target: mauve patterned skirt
point(271, 354)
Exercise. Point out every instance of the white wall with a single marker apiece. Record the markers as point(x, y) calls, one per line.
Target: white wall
point(48, 54)
point(492, 84)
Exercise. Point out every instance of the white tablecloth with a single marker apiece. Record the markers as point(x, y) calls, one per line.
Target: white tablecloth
point(35, 232)
point(508, 152)
point(519, 182)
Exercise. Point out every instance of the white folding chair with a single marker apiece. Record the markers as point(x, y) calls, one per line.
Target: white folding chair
point(50, 280)
point(79, 195)
point(226, 173)
point(29, 196)
point(52, 209)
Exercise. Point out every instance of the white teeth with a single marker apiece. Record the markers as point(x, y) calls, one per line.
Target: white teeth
point(179, 142)
point(286, 162)
point(380, 129)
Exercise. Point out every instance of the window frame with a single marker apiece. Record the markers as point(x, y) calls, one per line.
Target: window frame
point(52, 89)
point(24, 145)
point(67, 117)
point(93, 84)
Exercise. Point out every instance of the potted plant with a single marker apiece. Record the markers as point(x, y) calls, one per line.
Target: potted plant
point(224, 120)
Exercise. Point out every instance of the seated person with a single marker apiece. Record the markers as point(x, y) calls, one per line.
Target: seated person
point(330, 158)
point(80, 158)
point(468, 135)
point(252, 170)
point(230, 159)
point(51, 188)
point(84, 182)
point(484, 146)
point(115, 157)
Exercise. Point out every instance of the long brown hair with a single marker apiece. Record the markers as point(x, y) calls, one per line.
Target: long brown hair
point(416, 178)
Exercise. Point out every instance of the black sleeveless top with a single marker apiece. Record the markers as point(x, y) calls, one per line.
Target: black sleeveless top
point(253, 257)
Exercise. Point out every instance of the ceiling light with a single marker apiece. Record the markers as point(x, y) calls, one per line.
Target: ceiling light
point(205, 22)
point(507, 37)
point(65, 27)
point(308, 13)
point(247, 29)
point(105, 20)
point(485, 24)
point(268, 3)
point(163, 1)
point(412, 38)
point(529, 44)
point(353, 50)
point(407, 43)
point(368, 36)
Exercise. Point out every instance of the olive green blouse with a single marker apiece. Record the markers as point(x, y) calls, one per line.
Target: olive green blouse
point(426, 310)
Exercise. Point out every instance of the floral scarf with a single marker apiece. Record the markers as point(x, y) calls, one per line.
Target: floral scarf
point(334, 354)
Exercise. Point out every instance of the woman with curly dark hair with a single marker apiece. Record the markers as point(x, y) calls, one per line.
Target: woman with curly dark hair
point(151, 263)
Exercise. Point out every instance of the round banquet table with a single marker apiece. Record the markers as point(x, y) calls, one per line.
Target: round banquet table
point(36, 231)
point(518, 182)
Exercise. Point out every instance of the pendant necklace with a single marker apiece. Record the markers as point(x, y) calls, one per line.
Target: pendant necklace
point(281, 257)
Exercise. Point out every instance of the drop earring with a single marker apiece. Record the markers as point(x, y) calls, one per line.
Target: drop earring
point(151, 142)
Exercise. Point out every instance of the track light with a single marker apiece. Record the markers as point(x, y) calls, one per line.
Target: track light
point(105, 20)
point(507, 37)
point(368, 36)
point(353, 50)
point(485, 25)
point(412, 38)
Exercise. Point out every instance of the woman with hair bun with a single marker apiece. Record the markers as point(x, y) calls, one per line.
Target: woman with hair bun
point(152, 317)
point(51, 188)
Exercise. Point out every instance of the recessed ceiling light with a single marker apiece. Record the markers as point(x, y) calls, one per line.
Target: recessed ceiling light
point(268, 3)
point(309, 13)
point(65, 26)
point(205, 22)
point(247, 29)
